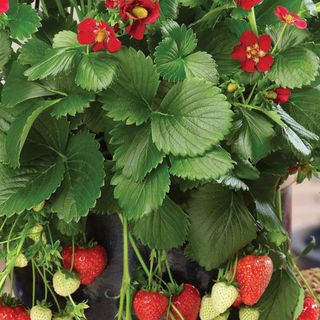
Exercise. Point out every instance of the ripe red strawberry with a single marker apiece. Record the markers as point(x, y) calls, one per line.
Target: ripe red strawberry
point(6, 313)
point(253, 276)
point(238, 302)
point(21, 313)
point(150, 305)
point(188, 303)
point(88, 262)
point(310, 309)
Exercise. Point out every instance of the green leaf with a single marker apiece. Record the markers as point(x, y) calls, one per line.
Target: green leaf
point(193, 117)
point(65, 39)
point(55, 62)
point(304, 108)
point(20, 128)
point(96, 71)
point(27, 186)
point(6, 118)
point(233, 182)
point(23, 22)
point(218, 220)
point(246, 170)
point(135, 154)
point(253, 139)
point(291, 37)
point(17, 82)
point(138, 198)
point(210, 166)
point(175, 60)
point(168, 9)
point(163, 229)
point(281, 298)
point(5, 48)
point(130, 98)
point(83, 179)
point(33, 51)
point(294, 68)
point(192, 3)
point(76, 102)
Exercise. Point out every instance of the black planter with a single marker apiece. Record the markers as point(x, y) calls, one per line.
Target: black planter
point(107, 230)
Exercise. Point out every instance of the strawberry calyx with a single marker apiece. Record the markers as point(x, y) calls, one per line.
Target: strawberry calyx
point(9, 301)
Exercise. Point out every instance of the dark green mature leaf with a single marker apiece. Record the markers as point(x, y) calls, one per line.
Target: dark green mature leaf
point(142, 197)
point(192, 118)
point(17, 82)
point(295, 67)
point(5, 121)
point(83, 179)
point(305, 109)
point(130, 98)
point(5, 48)
point(25, 187)
point(33, 51)
point(23, 22)
point(253, 139)
point(168, 9)
point(96, 71)
point(281, 298)
point(218, 218)
point(135, 154)
point(175, 60)
point(210, 166)
point(20, 128)
point(56, 61)
point(163, 229)
point(192, 3)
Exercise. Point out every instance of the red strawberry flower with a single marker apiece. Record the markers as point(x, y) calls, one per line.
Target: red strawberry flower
point(310, 310)
point(290, 18)
point(110, 4)
point(247, 4)
point(283, 95)
point(253, 52)
point(98, 34)
point(4, 6)
point(140, 13)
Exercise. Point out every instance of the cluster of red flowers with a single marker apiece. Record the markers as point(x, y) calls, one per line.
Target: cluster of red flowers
point(4, 6)
point(137, 13)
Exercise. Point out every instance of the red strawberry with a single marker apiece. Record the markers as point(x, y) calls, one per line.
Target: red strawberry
point(21, 313)
point(88, 262)
point(188, 303)
point(150, 305)
point(6, 313)
point(310, 309)
point(238, 302)
point(253, 276)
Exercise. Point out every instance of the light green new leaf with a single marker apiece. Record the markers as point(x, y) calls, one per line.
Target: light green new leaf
point(83, 178)
point(163, 229)
point(5, 48)
point(193, 117)
point(219, 219)
point(142, 197)
point(56, 61)
point(25, 187)
point(96, 71)
point(281, 298)
point(233, 182)
point(20, 128)
point(253, 139)
point(33, 51)
point(135, 154)
point(65, 39)
point(294, 68)
point(130, 97)
point(210, 166)
point(23, 22)
point(17, 82)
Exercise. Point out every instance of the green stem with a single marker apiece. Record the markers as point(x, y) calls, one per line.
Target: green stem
point(89, 5)
point(44, 8)
point(3, 223)
point(60, 8)
point(251, 93)
point(151, 268)
point(253, 21)
point(33, 283)
point(83, 9)
point(279, 205)
point(45, 287)
point(10, 233)
point(168, 268)
point(177, 312)
point(279, 39)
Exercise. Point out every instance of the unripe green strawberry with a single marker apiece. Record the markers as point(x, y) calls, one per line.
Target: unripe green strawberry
point(63, 318)
point(36, 233)
point(232, 87)
point(39, 206)
point(207, 312)
point(224, 316)
point(40, 313)
point(65, 284)
point(21, 261)
point(223, 296)
point(249, 314)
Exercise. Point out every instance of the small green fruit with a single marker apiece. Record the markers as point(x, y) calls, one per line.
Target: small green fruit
point(64, 284)
point(232, 87)
point(223, 296)
point(207, 312)
point(40, 313)
point(224, 316)
point(249, 314)
point(21, 261)
point(63, 318)
point(36, 233)
point(39, 207)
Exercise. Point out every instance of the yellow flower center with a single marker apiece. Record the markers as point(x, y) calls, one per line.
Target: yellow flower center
point(102, 35)
point(140, 12)
point(289, 19)
point(255, 53)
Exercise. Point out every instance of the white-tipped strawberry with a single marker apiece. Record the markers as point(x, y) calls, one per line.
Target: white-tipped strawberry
point(36, 234)
point(223, 295)
point(249, 314)
point(21, 261)
point(207, 312)
point(65, 284)
point(40, 313)
point(224, 316)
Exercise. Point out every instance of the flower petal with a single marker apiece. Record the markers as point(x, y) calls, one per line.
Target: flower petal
point(282, 10)
point(136, 30)
point(248, 66)
point(99, 46)
point(86, 37)
point(248, 38)
point(154, 14)
point(265, 63)
point(265, 42)
point(239, 53)
point(114, 44)
point(4, 6)
point(301, 24)
point(88, 25)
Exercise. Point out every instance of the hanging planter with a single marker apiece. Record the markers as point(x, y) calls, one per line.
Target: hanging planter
point(143, 145)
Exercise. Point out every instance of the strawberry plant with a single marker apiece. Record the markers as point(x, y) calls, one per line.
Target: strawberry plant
point(181, 119)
